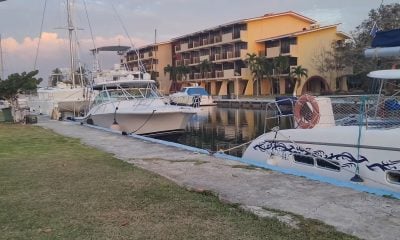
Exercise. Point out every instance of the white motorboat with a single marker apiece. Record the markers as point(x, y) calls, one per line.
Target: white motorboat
point(130, 102)
point(192, 96)
point(366, 152)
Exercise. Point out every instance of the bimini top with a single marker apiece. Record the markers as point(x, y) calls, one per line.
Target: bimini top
point(385, 74)
point(137, 83)
point(389, 38)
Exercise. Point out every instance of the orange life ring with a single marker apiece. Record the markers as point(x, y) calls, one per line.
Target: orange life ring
point(306, 112)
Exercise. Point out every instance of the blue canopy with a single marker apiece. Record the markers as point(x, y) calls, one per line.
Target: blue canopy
point(387, 39)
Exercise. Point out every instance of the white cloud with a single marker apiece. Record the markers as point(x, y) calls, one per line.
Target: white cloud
point(19, 56)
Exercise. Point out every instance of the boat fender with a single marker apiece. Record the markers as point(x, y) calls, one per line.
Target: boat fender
point(306, 112)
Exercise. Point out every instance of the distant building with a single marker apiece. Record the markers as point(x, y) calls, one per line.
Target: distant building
point(154, 58)
point(225, 48)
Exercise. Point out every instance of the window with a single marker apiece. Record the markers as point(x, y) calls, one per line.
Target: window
point(393, 177)
point(308, 160)
point(328, 164)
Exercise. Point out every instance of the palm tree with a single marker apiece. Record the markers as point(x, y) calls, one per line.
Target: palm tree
point(182, 72)
point(253, 63)
point(171, 70)
point(281, 64)
point(298, 72)
point(204, 67)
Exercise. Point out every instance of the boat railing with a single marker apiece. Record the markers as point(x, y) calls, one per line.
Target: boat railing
point(370, 111)
point(279, 113)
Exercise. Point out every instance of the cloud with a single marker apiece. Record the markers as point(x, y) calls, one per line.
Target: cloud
point(20, 56)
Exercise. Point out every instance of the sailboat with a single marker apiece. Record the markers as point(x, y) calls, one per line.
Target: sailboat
point(64, 99)
point(361, 152)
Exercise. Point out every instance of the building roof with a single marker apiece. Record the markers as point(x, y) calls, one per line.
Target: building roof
point(246, 20)
point(295, 34)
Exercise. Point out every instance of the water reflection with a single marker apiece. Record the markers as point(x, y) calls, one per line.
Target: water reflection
point(216, 128)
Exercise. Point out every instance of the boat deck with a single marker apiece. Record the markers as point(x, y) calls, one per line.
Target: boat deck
point(358, 213)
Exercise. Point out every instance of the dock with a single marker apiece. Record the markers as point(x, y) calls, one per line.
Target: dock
point(246, 103)
point(361, 214)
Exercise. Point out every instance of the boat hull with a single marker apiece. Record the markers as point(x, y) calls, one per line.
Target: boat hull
point(334, 152)
point(141, 118)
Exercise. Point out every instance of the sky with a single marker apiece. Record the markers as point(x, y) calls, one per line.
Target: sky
point(20, 24)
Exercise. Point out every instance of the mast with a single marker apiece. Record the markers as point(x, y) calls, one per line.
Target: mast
point(1, 61)
point(71, 43)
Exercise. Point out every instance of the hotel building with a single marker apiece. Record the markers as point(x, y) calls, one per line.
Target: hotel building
point(216, 57)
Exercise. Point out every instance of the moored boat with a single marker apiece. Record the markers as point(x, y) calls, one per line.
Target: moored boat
point(192, 96)
point(363, 151)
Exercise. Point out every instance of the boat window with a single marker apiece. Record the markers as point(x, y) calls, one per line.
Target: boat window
point(308, 160)
point(100, 98)
point(134, 93)
point(328, 164)
point(197, 91)
point(393, 177)
point(148, 93)
point(117, 95)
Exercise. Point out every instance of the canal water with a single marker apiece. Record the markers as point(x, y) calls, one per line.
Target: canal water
point(215, 128)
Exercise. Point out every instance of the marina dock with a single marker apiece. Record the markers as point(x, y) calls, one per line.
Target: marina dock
point(254, 189)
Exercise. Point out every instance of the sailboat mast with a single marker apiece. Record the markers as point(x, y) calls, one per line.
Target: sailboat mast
point(71, 43)
point(1, 61)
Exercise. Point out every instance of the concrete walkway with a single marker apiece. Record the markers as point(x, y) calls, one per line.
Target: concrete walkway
point(361, 214)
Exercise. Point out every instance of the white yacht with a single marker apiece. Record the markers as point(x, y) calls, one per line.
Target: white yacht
point(129, 101)
point(192, 96)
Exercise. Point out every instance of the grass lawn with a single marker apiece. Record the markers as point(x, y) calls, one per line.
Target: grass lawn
point(52, 187)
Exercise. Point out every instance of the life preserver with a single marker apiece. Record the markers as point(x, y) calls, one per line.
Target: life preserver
point(306, 111)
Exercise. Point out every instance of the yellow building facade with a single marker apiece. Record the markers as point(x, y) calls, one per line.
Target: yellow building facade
point(153, 58)
point(216, 57)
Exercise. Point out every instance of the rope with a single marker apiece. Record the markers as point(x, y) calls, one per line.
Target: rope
point(140, 64)
point(40, 35)
point(148, 119)
point(230, 149)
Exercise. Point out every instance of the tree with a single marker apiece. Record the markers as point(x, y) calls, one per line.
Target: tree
point(181, 72)
point(259, 67)
point(17, 84)
point(387, 18)
point(298, 72)
point(204, 67)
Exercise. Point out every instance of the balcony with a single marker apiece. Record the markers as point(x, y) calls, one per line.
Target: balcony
point(208, 75)
point(184, 47)
point(178, 62)
point(205, 41)
point(219, 74)
point(197, 76)
point(291, 50)
point(217, 57)
point(177, 48)
point(227, 38)
point(217, 39)
point(196, 44)
point(273, 52)
point(196, 60)
point(205, 57)
point(186, 61)
point(229, 73)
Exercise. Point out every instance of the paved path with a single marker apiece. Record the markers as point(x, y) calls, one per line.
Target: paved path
point(361, 214)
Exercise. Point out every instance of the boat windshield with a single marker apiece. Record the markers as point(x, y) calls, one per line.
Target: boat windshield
point(196, 91)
